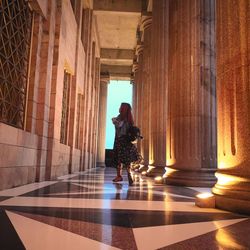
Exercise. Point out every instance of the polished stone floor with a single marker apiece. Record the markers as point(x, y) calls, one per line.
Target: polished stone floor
point(87, 211)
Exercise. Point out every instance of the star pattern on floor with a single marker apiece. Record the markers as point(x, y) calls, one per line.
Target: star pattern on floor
point(87, 211)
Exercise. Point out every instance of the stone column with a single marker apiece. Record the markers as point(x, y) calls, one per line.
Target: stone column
point(74, 160)
point(134, 82)
point(44, 72)
point(96, 110)
point(139, 51)
point(87, 35)
point(135, 69)
point(232, 189)
point(191, 124)
point(146, 79)
point(158, 86)
point(91, 101)
point(104, 80)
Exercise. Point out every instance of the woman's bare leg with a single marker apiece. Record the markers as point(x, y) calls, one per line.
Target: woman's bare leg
point(119, 173)
point(130, 179)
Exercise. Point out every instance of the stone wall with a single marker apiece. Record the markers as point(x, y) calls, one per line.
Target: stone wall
point(18, 156)
point(35, 153)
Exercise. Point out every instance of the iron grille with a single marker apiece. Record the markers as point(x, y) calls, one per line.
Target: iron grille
point(15, 38)
point(65, 108)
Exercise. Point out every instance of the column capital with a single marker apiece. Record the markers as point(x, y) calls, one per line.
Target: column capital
point(135, 67)
point(104, 78)
point(132, 80)
point(146, 20)
point(139, 48)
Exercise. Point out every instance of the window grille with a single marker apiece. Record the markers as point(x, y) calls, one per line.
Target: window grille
point(65, 108)
point(15, 38)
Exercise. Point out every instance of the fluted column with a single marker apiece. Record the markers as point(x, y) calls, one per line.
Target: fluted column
point(158, 85)
point(233, 84)
point(87, 44)
point(135, 69)
point(104, 80)
point(146, 79)
point(191, 127)
point(96, 110)
point(139, 51)
point(135, 86)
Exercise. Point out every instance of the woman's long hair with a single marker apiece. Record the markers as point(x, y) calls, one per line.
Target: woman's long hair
point(125, 113)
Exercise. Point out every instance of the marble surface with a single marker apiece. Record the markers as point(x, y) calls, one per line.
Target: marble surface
point(87, 211)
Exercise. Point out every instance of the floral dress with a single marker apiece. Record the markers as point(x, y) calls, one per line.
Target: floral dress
point(124, 151)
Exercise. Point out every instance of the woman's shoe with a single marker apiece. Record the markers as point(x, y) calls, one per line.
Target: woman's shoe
point(117, 179)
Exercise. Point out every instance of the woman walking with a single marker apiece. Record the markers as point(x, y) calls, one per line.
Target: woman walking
point(124, 151)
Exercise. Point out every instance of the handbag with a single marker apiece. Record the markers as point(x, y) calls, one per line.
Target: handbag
point(133, 133)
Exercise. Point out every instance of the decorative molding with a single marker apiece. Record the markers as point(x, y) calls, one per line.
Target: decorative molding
point(146, 21)
point(104, 78)
point(139, 49)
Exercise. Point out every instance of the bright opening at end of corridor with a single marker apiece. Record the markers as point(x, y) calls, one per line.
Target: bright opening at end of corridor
point(118, 92)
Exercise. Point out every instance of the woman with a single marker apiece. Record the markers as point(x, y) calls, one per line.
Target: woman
point(124, 151)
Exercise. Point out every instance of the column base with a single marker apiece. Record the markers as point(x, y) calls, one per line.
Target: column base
point(232, 204)
point(154, 171)
point(233, 196)
point(101, 164)
point(143, 168)
point(199, 178)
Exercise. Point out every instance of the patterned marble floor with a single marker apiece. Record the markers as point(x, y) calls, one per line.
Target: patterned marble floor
point(87, 211)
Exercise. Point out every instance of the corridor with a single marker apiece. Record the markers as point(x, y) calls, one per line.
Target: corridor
point(87, 211)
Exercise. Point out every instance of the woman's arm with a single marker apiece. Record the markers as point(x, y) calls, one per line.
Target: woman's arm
point(115, 121)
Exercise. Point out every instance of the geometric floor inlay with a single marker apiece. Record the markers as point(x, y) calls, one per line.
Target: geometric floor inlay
point(87, 211)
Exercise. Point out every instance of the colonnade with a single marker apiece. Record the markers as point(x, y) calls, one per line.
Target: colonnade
point(186, 115)
point(176, 97)
point(191, 96)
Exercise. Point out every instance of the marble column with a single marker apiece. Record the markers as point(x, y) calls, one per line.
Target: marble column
point(135, 89)
point(232, 189)
point(158, 86)
point(191, 123)
point(146, 79)
point(139, 104)
point(135, 70)
point(91, 129)
point(104, 80)
point(87, 35)
point(96, 109)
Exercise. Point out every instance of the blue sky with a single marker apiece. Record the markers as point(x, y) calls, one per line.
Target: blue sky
point(118, 92)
